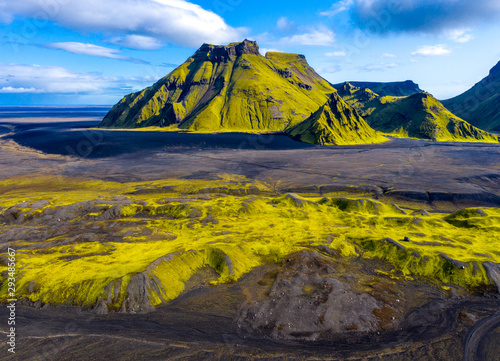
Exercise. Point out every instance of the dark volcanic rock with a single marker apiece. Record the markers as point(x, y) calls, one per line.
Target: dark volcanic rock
point(308, 299)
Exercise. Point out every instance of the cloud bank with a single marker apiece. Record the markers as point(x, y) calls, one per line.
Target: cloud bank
point(40, 79)
point(175, 21)
point(385, 16)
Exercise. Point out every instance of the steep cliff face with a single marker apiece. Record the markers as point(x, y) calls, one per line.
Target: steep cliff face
point(335, 123)
point(230, 88)
point(480, 105)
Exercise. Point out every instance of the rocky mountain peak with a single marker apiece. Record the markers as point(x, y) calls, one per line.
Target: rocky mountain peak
point(221, 53)
point(347, 88)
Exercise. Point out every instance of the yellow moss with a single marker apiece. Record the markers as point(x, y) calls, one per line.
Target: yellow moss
point(234, 233)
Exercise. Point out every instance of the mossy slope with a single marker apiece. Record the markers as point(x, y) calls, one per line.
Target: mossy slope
point(423, 116)
point(229, 87)
point(480, 105)
point(141, 256)
point(335, 123)
point(418, 116)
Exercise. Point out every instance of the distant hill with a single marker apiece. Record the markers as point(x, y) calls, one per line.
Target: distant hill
point(396, 89)
point(364, 100)
point(227, 88)
point(335, 123)
point(418, 116)
point(423, 116)
point(480, 105)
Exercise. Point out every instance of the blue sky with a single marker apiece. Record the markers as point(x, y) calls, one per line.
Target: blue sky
point(71, 52)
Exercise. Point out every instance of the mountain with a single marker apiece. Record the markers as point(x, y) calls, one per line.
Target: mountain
point(418, 116)
point(396, 89)
point(480, 105)
point(423, 116)
point(364, 100)
point(227, 88)
point(335, 123)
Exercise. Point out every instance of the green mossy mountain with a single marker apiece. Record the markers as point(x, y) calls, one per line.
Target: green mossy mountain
point(335, 123)
point(227, 88)
point(480, 105)
point(423, 116)
point(396, 89)
point(418, 116)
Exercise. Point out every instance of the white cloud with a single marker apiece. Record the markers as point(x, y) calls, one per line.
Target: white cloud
point(336, 53)
point(378, 67)
point(319, 36)
point(460, 35)
point(283, 24)
point(263, 51)
point(176, 21)
point(88, 49)
point(330, 70)
point(9, 89)
point(21, 78)
point(432, 50)
point(139, 42)
point(388, 55)
point(337, 8)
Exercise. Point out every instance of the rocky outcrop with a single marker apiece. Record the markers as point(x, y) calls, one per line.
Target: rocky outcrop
point(308, 299)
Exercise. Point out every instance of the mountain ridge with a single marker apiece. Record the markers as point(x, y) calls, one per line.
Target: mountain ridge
point(422, 116)
point(419, 115)
point(398, 88)
point(480, 105)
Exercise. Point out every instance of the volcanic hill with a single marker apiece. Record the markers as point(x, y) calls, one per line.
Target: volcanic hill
point(480, 105)
point(227, 88)
point(418, 116)
point(335, 123)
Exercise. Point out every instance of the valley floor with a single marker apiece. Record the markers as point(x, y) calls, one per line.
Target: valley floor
point(235, 246)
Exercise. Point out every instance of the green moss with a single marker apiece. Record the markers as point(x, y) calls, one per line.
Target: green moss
point(245, 92)
point(335, 123)
point(170, 232)
point(423, 116)
point(418, 116)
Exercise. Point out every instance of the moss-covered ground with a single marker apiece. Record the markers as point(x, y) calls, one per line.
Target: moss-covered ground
point(80, 241)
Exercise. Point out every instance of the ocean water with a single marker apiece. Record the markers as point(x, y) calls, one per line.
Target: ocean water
point(54, 112)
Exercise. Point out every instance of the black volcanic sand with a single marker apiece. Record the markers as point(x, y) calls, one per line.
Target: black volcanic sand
point(204, 323)
point(220, 323)
point(448, 174)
